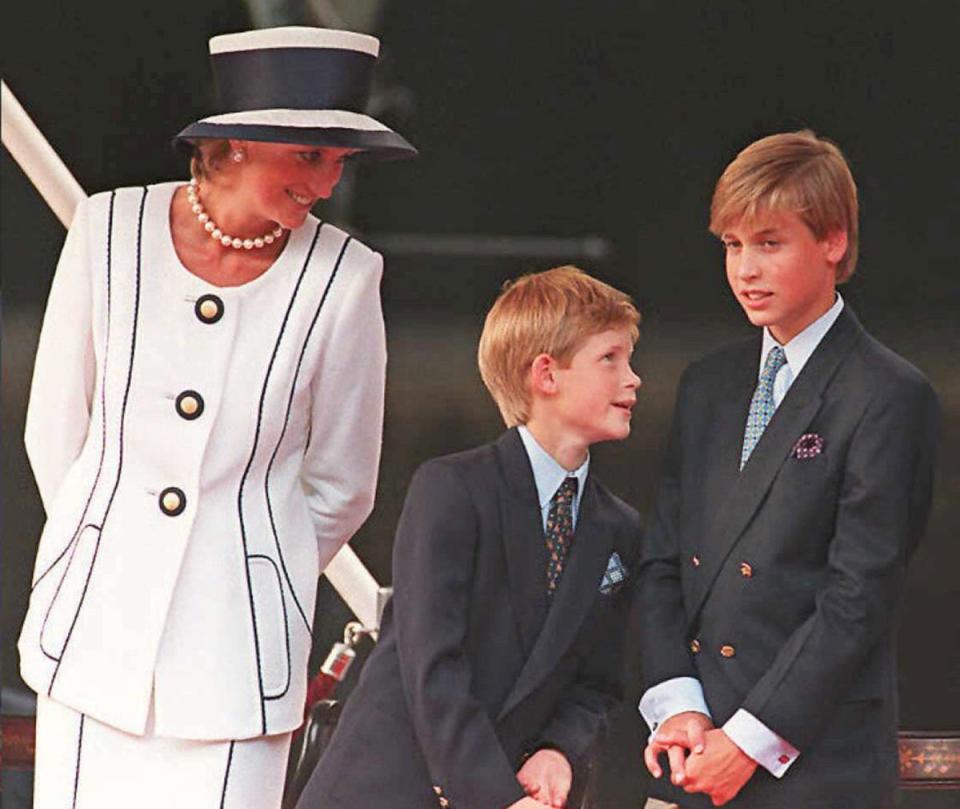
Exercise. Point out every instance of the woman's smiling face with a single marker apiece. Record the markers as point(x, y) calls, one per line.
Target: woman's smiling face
point(282, 182)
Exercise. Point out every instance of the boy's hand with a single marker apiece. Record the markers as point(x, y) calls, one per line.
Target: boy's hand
point(526, 803)
point(547, 776)
point(721, 770)
point(680, 733)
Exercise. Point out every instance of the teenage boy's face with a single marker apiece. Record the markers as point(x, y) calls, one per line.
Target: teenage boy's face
point(597, 392)
point(781, 274)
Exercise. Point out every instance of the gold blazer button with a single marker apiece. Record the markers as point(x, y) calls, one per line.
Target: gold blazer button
point(189, 405)
point(727, 651)
point(209, 308)
point(695, 646)
point(745, 570)
point(695, 560)
point(172, 501)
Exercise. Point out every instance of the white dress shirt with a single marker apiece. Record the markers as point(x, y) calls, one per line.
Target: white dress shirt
point(549, 475)
point(659, 703)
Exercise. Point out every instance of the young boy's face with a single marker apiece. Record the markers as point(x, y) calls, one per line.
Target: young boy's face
point(597, 392)
point(782, 276)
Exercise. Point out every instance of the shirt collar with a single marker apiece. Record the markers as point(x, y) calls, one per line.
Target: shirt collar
point(801, 347)
point(547, 473)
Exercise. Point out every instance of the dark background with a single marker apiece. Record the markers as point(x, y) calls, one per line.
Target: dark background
point(559, 119)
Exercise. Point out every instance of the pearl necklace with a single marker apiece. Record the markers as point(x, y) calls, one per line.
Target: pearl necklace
point(193, 197)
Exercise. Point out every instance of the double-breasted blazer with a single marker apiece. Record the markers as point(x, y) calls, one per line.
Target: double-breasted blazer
point(474, 667)
point(777, 587)
point(201, 453)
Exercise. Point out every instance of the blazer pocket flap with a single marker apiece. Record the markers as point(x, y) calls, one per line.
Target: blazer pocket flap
point(270, 618)
point(68, 595)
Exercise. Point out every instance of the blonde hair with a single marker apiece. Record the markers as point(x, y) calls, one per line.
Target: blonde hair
point(794, 172)
point(552, 312)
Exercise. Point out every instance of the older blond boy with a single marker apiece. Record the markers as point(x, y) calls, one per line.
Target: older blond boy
point(796, 486)
point(499, 655)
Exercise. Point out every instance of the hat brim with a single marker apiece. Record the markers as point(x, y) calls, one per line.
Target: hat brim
point(374, 145)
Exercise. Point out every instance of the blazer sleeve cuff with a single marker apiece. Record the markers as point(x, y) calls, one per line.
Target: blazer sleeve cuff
point(772, 752)
point(673, 696)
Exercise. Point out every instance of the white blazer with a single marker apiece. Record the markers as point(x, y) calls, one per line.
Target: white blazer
point(202, 453)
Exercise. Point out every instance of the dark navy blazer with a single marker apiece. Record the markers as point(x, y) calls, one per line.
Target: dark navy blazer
point(799, 560)
point(475, 668)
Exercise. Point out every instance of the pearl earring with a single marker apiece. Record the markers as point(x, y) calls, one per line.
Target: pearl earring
point(238, 156)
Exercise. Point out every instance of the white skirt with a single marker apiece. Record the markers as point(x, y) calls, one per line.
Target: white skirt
point(83, 764)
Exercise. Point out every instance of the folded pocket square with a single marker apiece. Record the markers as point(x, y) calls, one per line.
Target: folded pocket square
point(614, 576)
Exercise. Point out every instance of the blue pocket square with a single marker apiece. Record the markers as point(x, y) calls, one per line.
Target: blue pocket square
point(614, 576)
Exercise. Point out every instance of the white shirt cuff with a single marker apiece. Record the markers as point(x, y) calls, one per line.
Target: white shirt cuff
point(764, 746)
point(671, 697)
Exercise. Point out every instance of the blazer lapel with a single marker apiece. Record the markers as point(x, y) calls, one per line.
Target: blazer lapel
point(575, 595)
point(523, 541)
point(789, 422)
point(723, 436)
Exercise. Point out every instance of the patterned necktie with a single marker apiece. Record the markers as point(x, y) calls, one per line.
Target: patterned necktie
point(762, 406)
point(559, 533)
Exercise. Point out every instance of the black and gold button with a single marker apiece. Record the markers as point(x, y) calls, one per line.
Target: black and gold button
point(172, 501)
point(695, 560)
point(189, 405)
point(695, 646)
point(208, 308)
point(727, 651)
point(746, 570)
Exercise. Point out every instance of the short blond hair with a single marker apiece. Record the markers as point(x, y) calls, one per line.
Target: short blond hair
point(794, 172)
point(552, 312)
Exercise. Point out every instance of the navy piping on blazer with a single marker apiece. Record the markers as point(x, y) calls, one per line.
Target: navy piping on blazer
point(226, 776)
point(76, 770)
point(123, 415)
point(283, 431)
point(103, 433)
point(243, 481)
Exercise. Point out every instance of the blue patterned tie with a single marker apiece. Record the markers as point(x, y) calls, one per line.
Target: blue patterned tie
point(559, 534)
point(762, 406)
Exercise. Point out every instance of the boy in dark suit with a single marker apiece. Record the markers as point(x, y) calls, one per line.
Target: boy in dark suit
point(796, 485)
point(500, 651)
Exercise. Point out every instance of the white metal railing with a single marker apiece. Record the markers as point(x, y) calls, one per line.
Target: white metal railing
point(61, 191)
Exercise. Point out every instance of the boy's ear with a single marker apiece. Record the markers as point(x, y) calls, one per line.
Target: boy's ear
point(836, 245)
point(543, 378)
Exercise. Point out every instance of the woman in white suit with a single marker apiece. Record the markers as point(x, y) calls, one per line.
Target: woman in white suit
point(204, 428)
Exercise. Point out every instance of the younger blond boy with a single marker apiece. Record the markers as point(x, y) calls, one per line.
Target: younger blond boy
point(796, 486)
point(500, 651)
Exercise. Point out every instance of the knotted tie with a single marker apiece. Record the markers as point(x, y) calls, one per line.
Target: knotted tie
point(762, 406)
point(559, 534)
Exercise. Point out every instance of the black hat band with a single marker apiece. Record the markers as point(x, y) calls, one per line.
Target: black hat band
point(293, 78)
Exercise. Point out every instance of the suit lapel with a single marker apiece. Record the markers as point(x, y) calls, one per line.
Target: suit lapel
point(523, 541)
point(748, 489)
point(723, 437)
point(575, 595)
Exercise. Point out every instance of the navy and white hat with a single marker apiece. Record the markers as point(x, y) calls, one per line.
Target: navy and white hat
point(297, 85)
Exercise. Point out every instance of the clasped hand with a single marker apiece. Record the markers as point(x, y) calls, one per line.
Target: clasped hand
point(546, 778)
point(702, 758)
